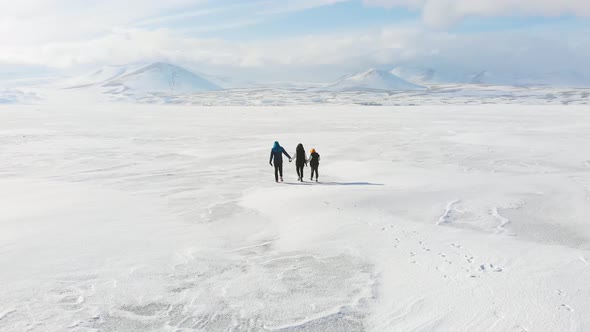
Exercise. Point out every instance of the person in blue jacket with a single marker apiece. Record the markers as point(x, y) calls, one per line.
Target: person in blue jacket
point(276, 155)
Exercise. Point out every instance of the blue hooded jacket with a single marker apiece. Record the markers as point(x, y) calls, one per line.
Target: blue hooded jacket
point(276, 154)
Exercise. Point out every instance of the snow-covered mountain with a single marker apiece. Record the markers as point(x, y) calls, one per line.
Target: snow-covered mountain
point(374, 79)
point(228, 82)
point(412, 74)
point(429, 75)
point(163, 77)
point(98, 77)
point(554, 79)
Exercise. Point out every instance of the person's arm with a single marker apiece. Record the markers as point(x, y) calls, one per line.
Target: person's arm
point(286, 154)
point(270, 161)
point(294, 156)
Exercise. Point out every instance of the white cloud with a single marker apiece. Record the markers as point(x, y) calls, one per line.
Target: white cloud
point(34, 22)
point(201, 12)
point(443, 13)
point(138, 45)
point(107, 32)
point(545, 50)
point(63, 33)
point(48, 21)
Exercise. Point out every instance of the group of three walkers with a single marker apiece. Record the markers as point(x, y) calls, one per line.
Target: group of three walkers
point(300, 157)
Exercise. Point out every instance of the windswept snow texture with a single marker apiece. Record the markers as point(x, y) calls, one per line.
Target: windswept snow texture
point(374, 79)
point(435, 95)
point(129, 217)
point(163, 77)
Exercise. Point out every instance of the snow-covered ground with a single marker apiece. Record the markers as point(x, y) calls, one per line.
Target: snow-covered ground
point(129, 217)
point(436, 95)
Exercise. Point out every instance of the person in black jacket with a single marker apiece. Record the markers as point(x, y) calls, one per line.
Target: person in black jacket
point(300, 161)
point(314, 163)
point(276, 155)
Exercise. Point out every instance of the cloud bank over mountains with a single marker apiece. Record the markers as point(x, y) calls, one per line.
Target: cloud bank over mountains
point(206, 35)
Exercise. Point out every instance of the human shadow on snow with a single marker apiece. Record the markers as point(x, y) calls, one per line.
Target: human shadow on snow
point(350, 184)
point(311, 183)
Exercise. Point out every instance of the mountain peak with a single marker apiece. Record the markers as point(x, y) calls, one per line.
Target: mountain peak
point(371, 72)
point(160, 64)
point(164, 77)
point(374, 79)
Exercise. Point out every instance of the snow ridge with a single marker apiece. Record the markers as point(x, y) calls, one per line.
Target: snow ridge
point(503, 221)
point(446, 217)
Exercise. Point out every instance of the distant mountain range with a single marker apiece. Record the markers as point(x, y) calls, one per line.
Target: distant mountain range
point(429, 76)
point(168, 78)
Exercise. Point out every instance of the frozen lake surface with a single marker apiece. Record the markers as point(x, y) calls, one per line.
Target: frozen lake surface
point(127, 217)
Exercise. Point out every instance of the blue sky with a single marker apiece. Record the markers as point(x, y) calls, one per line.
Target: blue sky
point(338, 17)
point(278, 37)
point(255, 21)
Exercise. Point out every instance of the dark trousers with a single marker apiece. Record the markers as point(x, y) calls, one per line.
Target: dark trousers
point(300, 170)
point(314, 169)
point(278, 170)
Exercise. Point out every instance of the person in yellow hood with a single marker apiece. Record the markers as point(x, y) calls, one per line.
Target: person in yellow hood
point(314, 163)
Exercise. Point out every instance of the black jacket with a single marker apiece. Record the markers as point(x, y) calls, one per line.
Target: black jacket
point(314, 159)
point(276, 154)
point(300, 158)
